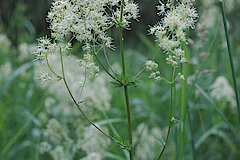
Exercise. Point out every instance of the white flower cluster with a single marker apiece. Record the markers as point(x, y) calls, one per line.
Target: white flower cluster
point(170, 31)
point(93, 142)
point(45, 47)
point(44, 76)
point(89, 65)
point(130, 11)
point(88, 20)
point(5, 71)
point(149, 140)
point(24, 51)
point(4, 41)
point(221, 90)
point(91, 156)
point(152, 67)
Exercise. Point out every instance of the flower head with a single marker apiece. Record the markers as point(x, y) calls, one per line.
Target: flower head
point(170, 31)
point(88, 20)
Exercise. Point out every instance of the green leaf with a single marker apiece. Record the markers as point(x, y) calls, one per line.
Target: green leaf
point(123, 143)
point(59, 78)
point(117, 84)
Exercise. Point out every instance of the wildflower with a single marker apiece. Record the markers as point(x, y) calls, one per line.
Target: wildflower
point(158, 78)
point(181, 77)
point(45, 147)
point(221, 89)
point(59, 154)
point(88, 20)
point(151, 65)
point(93, 141)
point(149, 138)
point(89, 65)
point(94, 155)
point(45, 47)
point(24, 50)
point(54, 130)
point(44, 77)
point(4, 41)
point(170, 31)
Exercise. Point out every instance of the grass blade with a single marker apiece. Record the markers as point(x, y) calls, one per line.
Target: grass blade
point(230, 57)
point(206, 96)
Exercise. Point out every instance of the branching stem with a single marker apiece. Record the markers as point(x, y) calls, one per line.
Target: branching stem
point(125, 86)
point(170, 118)
point(75, 102)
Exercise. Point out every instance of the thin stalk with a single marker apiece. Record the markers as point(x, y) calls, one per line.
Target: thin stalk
point(75, 102)
point(84, 81)
point(144, 67)
point(170, 118)
point(174, 115)
point(191, 133)
point(108, 62)
point(105, 69)
point(125, 87)
point(51, 68)
point(183, 103)
point(230, 58)
point(129, 121)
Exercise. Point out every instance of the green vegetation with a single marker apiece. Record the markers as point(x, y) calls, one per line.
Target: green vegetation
point(193, 118)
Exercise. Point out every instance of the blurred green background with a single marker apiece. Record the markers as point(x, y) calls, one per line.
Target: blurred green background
point(39, 122)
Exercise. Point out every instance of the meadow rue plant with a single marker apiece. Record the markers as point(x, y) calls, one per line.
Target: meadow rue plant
point(177, 17)
point(82, 99)
point(87, 21)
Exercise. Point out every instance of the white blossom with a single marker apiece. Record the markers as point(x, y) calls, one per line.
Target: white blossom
point(44, 147)
point(88, 20)
point(151, 65)
point(170, 31)
point(89, 65)
point(221, 90)
point(44, 77)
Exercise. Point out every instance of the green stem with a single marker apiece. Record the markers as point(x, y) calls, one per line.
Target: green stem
point(170, 118)
point(75, 102)
point(183, 102)
point(58, 76)
point(84, 82)
point(105, 69)
point(125, 87)
point(191, 133)
point(230, 58)
point(129, 121)
point(108, 62)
